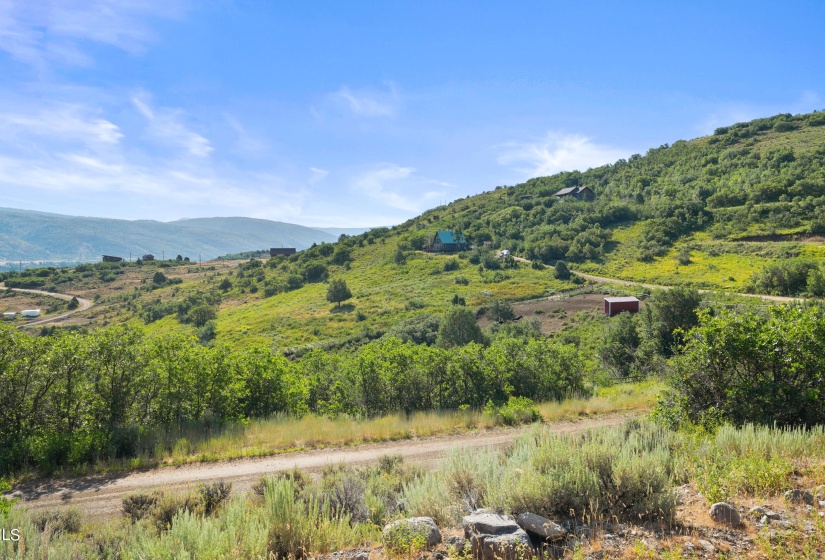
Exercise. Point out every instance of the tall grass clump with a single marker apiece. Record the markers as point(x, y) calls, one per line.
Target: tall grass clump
point(751, 460)
point(623, 472)
point(303, 527)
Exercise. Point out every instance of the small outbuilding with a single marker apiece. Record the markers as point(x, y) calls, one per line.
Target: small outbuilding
point(282, 251)
point(615, 305)
point(30, 313)
point(110, 258)
point(9, 315)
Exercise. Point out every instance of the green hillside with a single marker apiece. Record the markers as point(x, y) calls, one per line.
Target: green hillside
point(740, 210)
point(39, 236)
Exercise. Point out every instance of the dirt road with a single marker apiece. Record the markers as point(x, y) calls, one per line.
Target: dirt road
point(603, 280)
point(101, 495)
point(84, 305)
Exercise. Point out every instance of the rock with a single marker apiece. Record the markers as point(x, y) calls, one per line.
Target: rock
point(541, 527)
point(488, 524)
point(725, 513)
point(757, 511)
point(784, 524)
point(510, 546)
point(764, 520)
point(707, 546)
point(689, 546)
point(455, 542)
point(822, 503)
point(496, 537)
point(363, 555)
point(819, 491)
point(799, 497)
point(417, 525)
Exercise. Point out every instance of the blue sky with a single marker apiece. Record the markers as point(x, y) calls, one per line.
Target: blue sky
point(347, 113)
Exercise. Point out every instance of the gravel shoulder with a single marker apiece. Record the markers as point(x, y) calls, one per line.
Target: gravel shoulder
point(101, 495)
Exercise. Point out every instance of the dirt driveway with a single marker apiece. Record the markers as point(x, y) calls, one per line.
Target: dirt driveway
point(101, 495)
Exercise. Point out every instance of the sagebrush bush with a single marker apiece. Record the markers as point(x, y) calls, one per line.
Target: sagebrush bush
point(58, 521)
point(137, 506)
point(213, 495)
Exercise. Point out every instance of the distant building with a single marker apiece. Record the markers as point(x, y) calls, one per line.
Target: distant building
point(445, 241)
point(615, 305)
point(31, 312)
point(9, 315)
point(110, 258)
point(579, 193)
point(282, 251)
point(148, 257)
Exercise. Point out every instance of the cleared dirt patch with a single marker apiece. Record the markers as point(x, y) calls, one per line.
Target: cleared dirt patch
point(553, 313)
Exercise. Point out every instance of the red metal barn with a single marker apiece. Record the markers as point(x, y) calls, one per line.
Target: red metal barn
point(615, 305)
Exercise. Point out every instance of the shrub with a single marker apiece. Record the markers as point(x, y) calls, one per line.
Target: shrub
point(755, 367)
point(58, 521)
point(451, 265)
point(213, 495)
point(170, 505)
point(138, 506)
point(461, 281)
point(501, 310)
point(561, 270)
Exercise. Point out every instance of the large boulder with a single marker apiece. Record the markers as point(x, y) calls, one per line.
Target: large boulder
point(496, 537)
point(482, 522)
point(398, 534)
point(799, 497)
point(510, 546)
point(726, 514)
point(541, 527)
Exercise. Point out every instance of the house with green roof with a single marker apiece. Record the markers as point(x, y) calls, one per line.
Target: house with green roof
point(446, 241)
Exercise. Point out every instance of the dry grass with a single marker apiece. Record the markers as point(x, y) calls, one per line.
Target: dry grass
point(284, 434)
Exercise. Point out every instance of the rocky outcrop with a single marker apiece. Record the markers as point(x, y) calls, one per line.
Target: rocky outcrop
point(726, 514)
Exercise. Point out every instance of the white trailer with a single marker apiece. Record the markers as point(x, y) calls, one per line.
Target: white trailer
point(9, 315)
point(30, 313)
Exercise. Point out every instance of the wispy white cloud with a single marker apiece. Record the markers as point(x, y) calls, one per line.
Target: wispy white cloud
point(246, 143)
point(317, 174)
point(396, 187)
point(558, 152)
point(166, 126)
point(42, 31)
point(369, 103)
point(67, 122)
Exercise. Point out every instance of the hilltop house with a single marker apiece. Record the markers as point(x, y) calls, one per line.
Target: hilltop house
point(148, 257)
point(282, 251)
point(445, 241)
point(579, 193)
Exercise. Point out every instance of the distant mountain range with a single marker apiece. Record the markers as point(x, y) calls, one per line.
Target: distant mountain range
point(38, 236)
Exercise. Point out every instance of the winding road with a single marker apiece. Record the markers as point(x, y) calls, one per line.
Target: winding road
point(101, 495)
point(84, 304)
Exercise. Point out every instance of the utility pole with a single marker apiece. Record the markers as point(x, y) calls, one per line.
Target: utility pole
point(163, 255)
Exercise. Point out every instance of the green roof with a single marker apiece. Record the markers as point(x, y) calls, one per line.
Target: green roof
point(450, 237)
